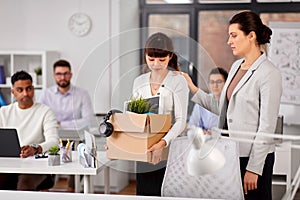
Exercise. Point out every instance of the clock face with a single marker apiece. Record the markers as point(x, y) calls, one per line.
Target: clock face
point(80, 24)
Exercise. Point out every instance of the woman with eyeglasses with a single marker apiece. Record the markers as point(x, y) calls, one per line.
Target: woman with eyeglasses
point(249, 102)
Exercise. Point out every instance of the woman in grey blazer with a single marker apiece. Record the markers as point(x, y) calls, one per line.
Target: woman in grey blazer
point(249, 101)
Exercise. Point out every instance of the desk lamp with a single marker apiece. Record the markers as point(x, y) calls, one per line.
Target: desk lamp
point(204, 158)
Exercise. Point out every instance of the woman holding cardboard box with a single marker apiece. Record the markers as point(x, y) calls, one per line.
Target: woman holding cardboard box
point(173, 92)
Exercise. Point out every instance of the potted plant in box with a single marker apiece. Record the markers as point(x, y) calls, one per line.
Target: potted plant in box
point(53, 156)
point(141, 106)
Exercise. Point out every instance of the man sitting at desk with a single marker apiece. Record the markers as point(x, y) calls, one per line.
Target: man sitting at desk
point(71, 105)
point(36, 126)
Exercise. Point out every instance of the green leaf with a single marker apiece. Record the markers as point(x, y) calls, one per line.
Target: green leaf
point(139, 105)
point(38, 71)
point(54, 150)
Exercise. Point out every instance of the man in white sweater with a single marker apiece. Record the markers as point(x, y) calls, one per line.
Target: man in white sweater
point(37, 129)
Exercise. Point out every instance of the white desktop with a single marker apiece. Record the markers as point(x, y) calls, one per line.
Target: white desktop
point(26, 195)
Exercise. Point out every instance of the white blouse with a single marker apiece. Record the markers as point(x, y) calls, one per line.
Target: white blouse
point(174, 96)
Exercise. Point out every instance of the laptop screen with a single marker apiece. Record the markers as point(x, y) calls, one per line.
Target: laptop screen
point(9, 143)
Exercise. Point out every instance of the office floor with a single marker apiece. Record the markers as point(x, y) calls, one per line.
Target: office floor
point(61, 186)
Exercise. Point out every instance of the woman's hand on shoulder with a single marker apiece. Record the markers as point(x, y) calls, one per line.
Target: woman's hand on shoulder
point(189, 81)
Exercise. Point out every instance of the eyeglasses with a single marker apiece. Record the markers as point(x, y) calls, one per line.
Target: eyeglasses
point(63, 74)
point(218, 82)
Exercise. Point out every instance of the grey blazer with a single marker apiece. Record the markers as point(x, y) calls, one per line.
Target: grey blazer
point(253, 107)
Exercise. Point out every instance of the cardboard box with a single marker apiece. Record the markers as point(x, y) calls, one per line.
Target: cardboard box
point(135, 133)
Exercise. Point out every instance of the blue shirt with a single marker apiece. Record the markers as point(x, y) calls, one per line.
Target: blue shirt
point(203, 118)
point(73, 109)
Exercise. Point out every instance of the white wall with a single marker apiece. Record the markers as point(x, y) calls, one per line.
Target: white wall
point(35, 24)
point(129, 50)
point(43, 25)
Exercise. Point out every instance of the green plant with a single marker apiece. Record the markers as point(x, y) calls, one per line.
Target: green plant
point(38, 71)
point(54, 150)
point(140, 105)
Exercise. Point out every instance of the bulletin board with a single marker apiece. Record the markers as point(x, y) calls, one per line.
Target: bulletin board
point(284, 52)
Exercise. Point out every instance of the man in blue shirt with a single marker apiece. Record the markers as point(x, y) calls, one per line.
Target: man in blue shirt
point(201, 117)
point(71, 105)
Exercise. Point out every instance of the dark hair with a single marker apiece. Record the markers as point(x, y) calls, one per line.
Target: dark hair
point(249, 21)
point(219, 70)
point(62, 63)
point(20, 75)
point(160, 45)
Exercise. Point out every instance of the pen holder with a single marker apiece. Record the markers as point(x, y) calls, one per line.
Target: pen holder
point(66, 155)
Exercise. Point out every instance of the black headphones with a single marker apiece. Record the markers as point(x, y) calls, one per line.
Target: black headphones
point(106, 128)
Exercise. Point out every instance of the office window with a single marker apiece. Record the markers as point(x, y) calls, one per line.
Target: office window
point(272, 1)
point(168, 1)
point(177, 22)
point(280, 17)
point(224, 1)
point(213, 36)
point(176, 26)
point(206, 22)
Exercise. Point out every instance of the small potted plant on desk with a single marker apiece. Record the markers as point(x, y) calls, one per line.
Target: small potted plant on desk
point(53, 156)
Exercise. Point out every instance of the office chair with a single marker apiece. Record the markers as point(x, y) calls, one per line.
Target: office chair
point(223, 184)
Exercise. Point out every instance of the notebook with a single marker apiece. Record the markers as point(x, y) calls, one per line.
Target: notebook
point(9, 143)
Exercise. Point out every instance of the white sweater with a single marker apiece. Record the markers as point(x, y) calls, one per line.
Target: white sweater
point(174, 96)
point(35, 125)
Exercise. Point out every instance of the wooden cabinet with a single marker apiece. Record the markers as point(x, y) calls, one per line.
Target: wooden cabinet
point(29, 61)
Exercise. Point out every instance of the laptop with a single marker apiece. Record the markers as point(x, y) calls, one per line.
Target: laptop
point(9, 143)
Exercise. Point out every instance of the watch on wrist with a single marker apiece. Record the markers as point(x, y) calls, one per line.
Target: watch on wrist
point(36, 148)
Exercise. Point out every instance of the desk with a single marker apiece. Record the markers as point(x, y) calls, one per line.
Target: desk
point(40, 166)
point(26, 195)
